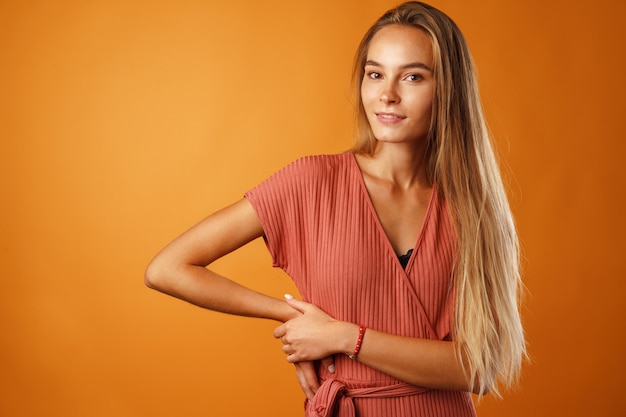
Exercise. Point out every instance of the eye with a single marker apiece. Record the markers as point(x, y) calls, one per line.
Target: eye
point(414, 77)
point(374, 75)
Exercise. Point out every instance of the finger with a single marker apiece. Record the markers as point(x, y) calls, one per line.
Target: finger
point(280, 331)
point(307, 377)
point(329, 363)
point(299, 305)
point(305, 387)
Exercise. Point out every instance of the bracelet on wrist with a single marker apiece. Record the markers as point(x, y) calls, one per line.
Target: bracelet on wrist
point(359, 342)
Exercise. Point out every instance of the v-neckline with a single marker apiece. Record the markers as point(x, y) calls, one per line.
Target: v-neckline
point(379, 225)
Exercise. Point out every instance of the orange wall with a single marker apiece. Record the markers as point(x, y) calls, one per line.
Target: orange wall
point(124, 122)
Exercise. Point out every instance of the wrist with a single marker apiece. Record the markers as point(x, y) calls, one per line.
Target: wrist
point(349, 337)
point(358, 343)
point(284, 312)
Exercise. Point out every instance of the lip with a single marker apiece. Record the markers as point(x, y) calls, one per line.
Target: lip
point(389, 118)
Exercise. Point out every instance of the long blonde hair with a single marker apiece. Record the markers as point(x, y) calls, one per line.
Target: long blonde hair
point(462, 166)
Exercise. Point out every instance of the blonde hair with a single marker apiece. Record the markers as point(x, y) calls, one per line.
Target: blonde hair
point(462, 166)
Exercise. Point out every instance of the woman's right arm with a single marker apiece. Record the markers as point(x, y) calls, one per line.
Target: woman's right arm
point(180, 269)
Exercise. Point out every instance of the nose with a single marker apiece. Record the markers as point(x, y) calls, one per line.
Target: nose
point(389, 94)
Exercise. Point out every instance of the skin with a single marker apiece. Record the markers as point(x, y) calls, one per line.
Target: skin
point(397, 94)
point(180, 270)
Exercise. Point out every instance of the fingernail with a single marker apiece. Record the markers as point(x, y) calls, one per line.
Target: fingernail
point(331, 369)
point(289, 296)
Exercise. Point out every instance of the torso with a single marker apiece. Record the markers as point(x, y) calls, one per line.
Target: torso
point(322, 227)
point(400, 211)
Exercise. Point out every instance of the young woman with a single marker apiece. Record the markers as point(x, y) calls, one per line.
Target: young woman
point(404, 249)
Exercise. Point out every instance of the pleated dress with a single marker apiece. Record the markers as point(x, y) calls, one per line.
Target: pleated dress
point(321, 228)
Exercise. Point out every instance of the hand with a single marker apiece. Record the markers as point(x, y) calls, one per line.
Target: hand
point(307, 377)
point(311, 336)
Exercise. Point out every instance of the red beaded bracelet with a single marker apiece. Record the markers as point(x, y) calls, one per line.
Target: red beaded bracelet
point(359, 341)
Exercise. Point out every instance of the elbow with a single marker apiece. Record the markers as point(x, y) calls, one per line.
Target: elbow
point(164, 274)
point(155, 275)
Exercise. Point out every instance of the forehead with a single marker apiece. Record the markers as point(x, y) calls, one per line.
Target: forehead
point(399, 44)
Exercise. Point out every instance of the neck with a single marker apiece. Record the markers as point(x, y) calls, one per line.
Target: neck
point(402, 164)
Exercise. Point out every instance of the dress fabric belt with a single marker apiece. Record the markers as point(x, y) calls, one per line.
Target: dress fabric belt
point(335, 399)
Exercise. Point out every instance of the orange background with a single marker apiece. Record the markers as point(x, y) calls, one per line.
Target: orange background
point(124, 122)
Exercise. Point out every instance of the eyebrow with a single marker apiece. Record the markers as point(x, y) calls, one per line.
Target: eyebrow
point(405, 66)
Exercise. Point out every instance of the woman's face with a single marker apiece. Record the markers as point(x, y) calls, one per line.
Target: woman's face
point(398, 86)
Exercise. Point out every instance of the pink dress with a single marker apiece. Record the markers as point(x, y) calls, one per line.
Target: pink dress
point(321, 228)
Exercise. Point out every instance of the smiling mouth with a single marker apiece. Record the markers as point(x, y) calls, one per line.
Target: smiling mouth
point(390, 117)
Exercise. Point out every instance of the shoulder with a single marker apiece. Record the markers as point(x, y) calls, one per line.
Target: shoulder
point(321, 162)
point(306, 174)
point(316, 167)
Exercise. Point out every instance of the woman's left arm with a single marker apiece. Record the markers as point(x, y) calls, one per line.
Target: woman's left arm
point(422, 362)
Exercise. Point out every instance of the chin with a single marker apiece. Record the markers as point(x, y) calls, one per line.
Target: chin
point(390, 140)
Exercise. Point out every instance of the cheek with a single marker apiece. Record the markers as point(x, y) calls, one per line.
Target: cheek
point(424, 105)
point(366, 96)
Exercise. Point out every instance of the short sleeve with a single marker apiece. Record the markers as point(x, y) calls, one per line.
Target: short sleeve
point(280, 203)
